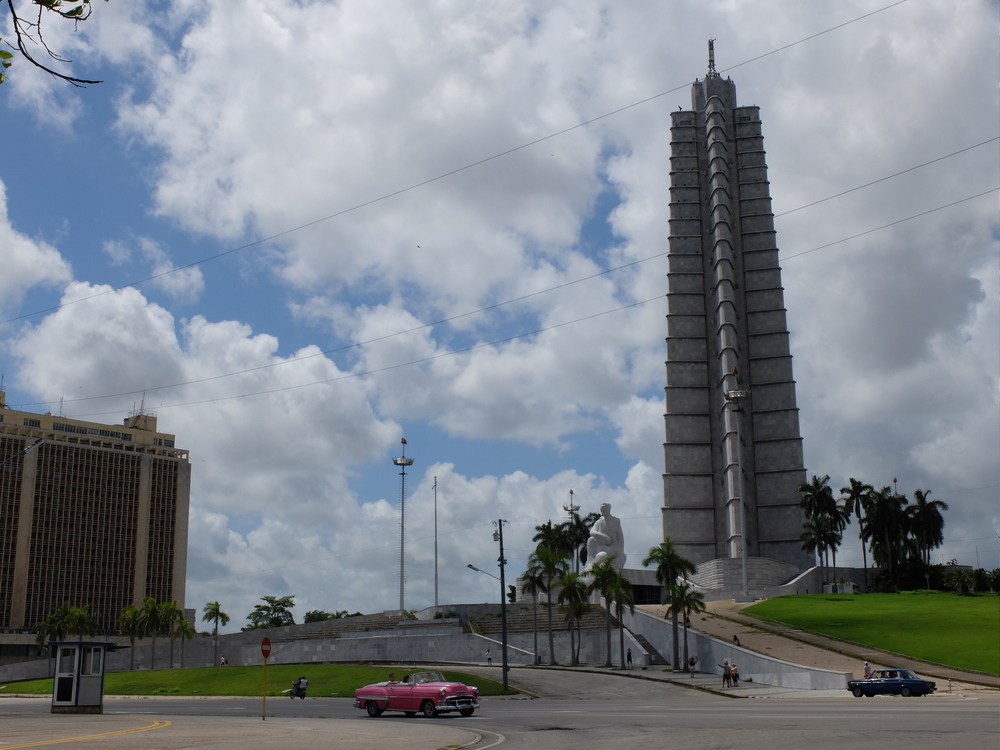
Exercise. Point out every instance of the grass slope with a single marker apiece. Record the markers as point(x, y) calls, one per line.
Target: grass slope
point(325, 681)
point(961, 631)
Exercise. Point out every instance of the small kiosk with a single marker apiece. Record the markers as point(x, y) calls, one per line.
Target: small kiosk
point(78, 684)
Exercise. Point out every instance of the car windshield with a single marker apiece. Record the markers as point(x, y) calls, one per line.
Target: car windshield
point(418, 678)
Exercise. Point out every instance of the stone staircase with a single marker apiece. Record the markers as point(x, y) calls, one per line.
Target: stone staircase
point(595, 618)
point(655, 657)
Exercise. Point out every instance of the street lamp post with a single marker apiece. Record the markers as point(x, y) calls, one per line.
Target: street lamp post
point(402, 463)
point(734, 397)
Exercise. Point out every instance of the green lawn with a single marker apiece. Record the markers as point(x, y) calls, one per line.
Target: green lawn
point(962, 631)
point(325, 680)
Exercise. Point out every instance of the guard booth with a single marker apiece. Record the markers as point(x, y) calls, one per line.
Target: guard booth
point(78, 684)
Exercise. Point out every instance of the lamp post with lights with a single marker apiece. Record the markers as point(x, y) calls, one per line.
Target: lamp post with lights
point(402, 462)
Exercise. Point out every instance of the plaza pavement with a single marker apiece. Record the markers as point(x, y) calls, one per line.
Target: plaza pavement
point(24, 729)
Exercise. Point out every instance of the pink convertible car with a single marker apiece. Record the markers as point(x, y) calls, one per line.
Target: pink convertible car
point(425, 692)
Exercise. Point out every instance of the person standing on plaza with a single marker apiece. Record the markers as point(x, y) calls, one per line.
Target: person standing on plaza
point(734, 670)
point(489, 657)
point(727, 676)
point(628, 659)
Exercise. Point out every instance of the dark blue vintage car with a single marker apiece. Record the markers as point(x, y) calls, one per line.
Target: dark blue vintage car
point(891, 681)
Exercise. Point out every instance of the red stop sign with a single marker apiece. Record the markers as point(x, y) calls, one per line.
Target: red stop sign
point(265, 647)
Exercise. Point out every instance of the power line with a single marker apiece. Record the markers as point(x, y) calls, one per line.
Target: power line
point(437, 178)
point(467, 349)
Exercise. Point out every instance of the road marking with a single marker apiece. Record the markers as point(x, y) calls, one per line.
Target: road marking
point(157, 724)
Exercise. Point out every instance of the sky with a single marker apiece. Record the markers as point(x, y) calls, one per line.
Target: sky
point(301, 231)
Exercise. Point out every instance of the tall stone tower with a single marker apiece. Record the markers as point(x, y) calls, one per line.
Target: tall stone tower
point(732, 428)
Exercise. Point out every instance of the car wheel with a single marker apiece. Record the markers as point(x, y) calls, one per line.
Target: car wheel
point(428, 710)
point(858, 692)
point(905, 691)
point(373, 709)
point(466, 711)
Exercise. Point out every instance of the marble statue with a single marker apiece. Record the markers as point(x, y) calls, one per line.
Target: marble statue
point(606, 541)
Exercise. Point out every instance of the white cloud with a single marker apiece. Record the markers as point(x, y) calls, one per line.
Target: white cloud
point(26, 263)
point(265, 117)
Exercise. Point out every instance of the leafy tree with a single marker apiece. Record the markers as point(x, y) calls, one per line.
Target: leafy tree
point(670, 566)
point(926, 523)
point(30, 31)
point(131, 624)
point(573, 593)
point(213, 613)
point(856, 499)
point(549, 565)
point(603, 579)
point(275, 612)
point(684, 599)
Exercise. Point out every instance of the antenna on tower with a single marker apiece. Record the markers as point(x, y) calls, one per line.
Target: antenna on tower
point(712, 73)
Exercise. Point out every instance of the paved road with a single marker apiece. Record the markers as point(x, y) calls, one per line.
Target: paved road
point(577, 710)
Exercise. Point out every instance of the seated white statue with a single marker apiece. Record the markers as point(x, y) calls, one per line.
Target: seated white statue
point(606, 541)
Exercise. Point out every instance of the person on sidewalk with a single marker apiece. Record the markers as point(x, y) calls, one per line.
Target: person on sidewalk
point(489, 657)
point(735, 672)
point(628, 659)
point(868, 671)
point(727, 676)
point(692, 663)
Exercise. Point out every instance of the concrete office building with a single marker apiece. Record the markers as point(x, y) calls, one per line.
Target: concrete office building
point(90, 513)
point(732, 428)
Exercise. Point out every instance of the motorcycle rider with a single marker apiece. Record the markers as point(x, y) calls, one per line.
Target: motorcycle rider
point(299, 687)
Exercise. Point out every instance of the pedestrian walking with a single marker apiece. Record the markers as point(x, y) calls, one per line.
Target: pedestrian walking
point(868, 671)
point(489, 657)
point(628, 659)
point(692, 663)
point(727, 676)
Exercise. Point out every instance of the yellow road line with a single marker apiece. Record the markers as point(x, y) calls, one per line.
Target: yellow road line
point(157, 724)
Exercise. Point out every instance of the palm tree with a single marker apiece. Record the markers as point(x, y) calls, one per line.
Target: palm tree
point(886, 529)
point(576, 532)
point(926, 523)
point(169, 615)
point(856, 499)
point(603, 579)
point(573, 593)
point(669, 567)
point(130, 623)
point(624, 599)
point(817, 497)
point(687, 601)
point(53, 626)
point(551, 565)
point(151, 615)
point(79, 622)
point(185, 631)
point(533, 583)
point(818, 503)
point(213, 613)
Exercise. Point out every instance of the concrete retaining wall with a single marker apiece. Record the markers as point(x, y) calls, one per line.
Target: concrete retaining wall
point(711, 652)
